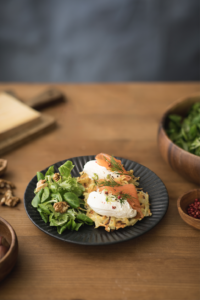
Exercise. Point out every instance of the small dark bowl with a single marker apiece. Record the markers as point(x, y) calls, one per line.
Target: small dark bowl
point(183, 202)
point(9, 259)
point(181, 161)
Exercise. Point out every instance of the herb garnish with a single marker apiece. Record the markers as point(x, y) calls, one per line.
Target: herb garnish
point(95, 178)
point(109, 182)
point(122, 197)
point(114, 165)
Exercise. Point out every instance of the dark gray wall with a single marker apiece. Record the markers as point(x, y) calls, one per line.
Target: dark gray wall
point(99, 40)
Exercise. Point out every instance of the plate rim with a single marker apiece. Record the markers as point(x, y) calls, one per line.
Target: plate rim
point(94, 243)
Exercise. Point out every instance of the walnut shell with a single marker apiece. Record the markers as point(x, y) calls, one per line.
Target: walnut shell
point(3, 166)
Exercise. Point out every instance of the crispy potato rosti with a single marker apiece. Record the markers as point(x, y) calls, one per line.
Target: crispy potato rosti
point(112, 223)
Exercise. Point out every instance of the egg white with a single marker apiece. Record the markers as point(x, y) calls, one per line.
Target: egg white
point(112, 208)
point(92, 168)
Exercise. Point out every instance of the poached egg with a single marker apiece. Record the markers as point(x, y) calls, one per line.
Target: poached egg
point(108, 205)
point(91, 168)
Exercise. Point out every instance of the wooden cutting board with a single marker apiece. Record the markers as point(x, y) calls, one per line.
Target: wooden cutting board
point(19, 123)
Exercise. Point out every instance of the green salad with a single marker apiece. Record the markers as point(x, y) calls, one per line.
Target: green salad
point(185, 132)
point(57, 199)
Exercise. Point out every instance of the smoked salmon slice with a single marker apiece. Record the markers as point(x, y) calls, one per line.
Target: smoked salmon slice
point(129, 191)
point(112, 164)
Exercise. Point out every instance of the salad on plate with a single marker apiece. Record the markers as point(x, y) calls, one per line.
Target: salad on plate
point(105, 194)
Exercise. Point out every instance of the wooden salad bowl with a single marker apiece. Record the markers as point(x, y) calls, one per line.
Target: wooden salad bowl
point(181, 161)
point(182, 204)
point(9, 259)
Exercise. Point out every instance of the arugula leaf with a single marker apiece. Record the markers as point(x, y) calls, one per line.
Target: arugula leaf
point(44, 216)
point(78, 190)
point(62, 228)
point(73, 225)
point(84, 219)
point(51, 201)
point(45, 195)
point(53, 185)
point(54, 214)
point(44, 209)
point(72, 199)
point(72, 213)
point(40, 176)
point(66, 168)
point(57, 196)
point(37, 199)
point(50, 171)
point(56, 220)
point(54, 188)
point(69, 165)
point(68, 182)
point(69, 224)
point(78, 225)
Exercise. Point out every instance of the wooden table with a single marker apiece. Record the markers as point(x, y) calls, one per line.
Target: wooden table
point(119, 119)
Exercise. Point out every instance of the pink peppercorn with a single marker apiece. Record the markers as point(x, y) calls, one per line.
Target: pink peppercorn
point(193, 209)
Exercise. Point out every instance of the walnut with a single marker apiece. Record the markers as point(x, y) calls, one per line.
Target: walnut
point(3, 190)
point(9, 200)
point(41, 184)
point(5, 185)
point(61, 207)
point(3, 166)
point(56, 176)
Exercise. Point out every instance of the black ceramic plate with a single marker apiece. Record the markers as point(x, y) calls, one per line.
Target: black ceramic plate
point(88, 235)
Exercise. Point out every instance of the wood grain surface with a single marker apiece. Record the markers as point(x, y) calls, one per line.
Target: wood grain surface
point(119, 119)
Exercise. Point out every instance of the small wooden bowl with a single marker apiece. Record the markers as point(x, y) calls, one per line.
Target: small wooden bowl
point(182, 204)
point(181, 161)
point(8, 261)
